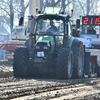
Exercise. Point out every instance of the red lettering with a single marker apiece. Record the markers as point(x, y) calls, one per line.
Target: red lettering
point(91, 20)
point(85, 21)
point(98, 21)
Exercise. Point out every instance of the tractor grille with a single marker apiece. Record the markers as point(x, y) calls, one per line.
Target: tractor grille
point(45, 51)
point(42, 43)
point(41, 47)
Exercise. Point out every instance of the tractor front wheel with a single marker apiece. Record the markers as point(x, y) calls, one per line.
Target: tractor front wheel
point(21, 59)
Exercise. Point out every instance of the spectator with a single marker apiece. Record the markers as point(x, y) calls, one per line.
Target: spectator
point(91, 30)
point(75, 32)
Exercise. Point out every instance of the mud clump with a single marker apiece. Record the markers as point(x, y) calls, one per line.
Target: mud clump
point(6, 69)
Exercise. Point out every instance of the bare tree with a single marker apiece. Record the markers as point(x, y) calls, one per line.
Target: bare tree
point(17, 8)
point(57, 3)
point(11, 7)
point(88, 6)
point(52, 3)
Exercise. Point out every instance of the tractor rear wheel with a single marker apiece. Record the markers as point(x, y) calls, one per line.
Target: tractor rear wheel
point(64, 66)
point(78, 70)
point(21, 60)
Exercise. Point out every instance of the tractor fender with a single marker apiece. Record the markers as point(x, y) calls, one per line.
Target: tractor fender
point(75, 43)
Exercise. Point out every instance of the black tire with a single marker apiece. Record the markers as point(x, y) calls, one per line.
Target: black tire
point(64, 66)
point(15, 61)
point(78, 71)
point(21, 61)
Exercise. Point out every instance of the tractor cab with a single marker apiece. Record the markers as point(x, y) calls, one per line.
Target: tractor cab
point(50, 30)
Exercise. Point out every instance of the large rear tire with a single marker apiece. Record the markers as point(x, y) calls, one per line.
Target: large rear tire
point(21, 61)
point(78, 71)
point(64, 66)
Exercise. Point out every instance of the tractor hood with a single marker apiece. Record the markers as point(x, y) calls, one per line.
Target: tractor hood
point(46, 41)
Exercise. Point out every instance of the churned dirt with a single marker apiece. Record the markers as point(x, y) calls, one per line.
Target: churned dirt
point(12, 88)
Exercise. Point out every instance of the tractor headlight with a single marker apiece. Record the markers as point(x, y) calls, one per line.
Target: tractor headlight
point(45, 47)
point(37, 47)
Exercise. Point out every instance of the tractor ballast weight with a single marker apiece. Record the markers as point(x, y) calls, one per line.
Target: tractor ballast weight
point(49, 52)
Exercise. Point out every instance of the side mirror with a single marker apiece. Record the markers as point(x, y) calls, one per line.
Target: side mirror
point(78, 23)
point(21, 21)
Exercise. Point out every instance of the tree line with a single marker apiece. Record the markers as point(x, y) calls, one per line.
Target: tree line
point(14, 9)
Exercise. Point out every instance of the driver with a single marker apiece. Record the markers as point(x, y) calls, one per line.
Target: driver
point(52, 26)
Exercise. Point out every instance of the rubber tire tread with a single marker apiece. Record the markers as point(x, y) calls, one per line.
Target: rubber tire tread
point(62, 63)
point(15, 61)
point(21, 62)
point(76, 52)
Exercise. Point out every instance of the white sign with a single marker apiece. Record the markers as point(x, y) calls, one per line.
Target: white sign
point(86, 41)
point(40, 54)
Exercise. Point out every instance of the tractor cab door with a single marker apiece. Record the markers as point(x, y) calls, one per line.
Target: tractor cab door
point(32, 32)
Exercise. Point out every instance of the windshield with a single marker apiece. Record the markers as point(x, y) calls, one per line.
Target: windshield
point(51, 27)
point(54, 27)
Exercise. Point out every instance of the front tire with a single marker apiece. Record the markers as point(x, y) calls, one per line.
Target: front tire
point(64, 66)
point(21, 59)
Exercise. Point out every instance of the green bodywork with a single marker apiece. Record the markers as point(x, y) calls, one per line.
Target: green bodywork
point(46, 39)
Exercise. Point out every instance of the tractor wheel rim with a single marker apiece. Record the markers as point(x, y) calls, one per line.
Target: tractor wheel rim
point(80, 61)
point(69, 65)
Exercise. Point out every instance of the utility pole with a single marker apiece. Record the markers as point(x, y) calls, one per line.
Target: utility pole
point(32, 5)
point(63, 5)
point(88, 6)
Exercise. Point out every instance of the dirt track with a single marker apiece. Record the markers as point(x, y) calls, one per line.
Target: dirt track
point(46, 89)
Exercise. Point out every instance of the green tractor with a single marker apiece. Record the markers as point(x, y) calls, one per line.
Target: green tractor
point(50, 51)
